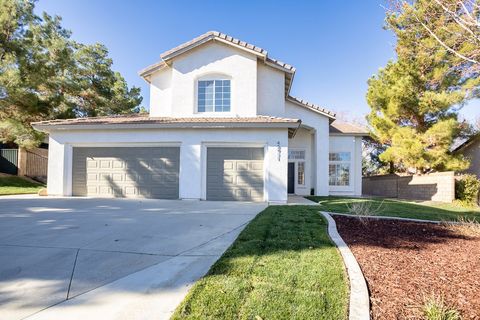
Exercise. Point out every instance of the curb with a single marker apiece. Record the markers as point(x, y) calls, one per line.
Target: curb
point(359, 305)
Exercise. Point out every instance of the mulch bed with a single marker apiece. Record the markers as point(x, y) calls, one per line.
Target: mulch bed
point(405, 262)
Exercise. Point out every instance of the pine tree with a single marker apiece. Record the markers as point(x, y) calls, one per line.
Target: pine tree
point(415, 100)
point(45, 75)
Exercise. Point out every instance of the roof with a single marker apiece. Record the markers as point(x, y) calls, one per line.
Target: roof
point(259, 52)
point(145, 122)
point(463, 143)
point(221, 37)
point(344, 128)
point(215, 35)
point(312, 106)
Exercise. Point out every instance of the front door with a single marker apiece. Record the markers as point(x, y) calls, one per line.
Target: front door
point(291, 177)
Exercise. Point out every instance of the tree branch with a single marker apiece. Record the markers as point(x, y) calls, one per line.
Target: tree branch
point(443, 44)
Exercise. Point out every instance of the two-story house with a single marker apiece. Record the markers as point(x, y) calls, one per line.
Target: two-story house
point(222, 126)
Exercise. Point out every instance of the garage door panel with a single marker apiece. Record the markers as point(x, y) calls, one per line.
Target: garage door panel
point(126, 172)
point(235, 174)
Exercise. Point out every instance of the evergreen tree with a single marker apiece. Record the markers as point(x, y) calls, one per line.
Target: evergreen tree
point(415, 100)
point(45, 75)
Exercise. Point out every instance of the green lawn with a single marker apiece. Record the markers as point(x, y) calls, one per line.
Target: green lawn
point(397, 208)
point(282, 266)
point(18, 185)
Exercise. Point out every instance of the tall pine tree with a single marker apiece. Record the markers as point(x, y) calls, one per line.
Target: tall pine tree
point(45, 75)
point(415, 100)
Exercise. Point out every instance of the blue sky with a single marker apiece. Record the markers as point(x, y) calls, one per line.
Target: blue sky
point(334, 45)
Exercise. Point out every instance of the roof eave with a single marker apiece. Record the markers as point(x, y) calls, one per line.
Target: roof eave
point(330, 116)
point(180, 125)
point(350, 134)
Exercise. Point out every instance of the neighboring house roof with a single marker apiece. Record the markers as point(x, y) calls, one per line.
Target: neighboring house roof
point(461, 144)
point(344, 128)
point(261, 53)
point(144, 121)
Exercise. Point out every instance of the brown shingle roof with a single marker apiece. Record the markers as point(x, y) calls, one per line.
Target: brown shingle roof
point(344, 128)
point(144, 119)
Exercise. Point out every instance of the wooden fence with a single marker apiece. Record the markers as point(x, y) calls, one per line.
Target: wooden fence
point(31, 163)
point(37, 164)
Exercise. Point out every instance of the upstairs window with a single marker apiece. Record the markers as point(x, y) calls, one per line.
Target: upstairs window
point(214, 96)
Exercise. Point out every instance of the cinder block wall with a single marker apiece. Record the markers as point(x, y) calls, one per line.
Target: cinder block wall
point(435, 186)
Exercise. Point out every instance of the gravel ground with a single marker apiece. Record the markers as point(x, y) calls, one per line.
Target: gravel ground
point(406, 262)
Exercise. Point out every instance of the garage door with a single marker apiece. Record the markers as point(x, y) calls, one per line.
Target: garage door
point(126, 172)
point(235, 174)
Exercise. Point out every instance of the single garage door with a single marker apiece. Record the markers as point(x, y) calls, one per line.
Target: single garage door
point(126, 172)
point(235, 174)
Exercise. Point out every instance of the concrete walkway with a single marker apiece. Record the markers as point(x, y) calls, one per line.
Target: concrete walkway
point(294, 200)
point(74, 258)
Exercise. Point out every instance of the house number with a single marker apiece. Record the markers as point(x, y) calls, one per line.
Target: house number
point(279, 150)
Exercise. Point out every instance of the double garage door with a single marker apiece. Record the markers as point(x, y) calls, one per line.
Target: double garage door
point(153, 172)
point(135, 172)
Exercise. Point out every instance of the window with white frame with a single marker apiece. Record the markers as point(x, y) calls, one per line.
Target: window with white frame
point(213, 96)
point(297, 156)
point(301, 173)
point(339, 168)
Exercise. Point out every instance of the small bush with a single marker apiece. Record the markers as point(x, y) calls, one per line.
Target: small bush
point(434, 308)
point(466, 189)
point(364, 208)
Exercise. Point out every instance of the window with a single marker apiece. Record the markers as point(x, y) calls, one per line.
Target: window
point(339, 156)
point(339, 169)
point(301, 173)
point(296, 155)
point(214, 96)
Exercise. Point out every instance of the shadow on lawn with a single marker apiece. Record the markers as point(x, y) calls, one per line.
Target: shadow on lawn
point(395, 234)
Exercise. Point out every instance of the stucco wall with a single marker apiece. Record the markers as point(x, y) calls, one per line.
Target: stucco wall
point(161, 93)
point(193, 144)
point(353, 145)
point(270, 91)
point(174, 91)
point(435, 187)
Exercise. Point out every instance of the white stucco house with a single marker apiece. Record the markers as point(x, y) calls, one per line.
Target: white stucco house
point(222, 126)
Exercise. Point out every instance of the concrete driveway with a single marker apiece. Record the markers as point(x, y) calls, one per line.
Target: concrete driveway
point(77, 258)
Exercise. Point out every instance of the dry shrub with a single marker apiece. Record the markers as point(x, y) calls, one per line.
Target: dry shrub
point(464, 225)
point(364, 209)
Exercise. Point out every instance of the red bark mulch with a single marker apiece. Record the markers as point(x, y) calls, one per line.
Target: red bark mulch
point(406, 262)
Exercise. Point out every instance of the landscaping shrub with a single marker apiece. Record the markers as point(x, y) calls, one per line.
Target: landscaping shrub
point(434, 308)
point(466, 190)
point(364, 208)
